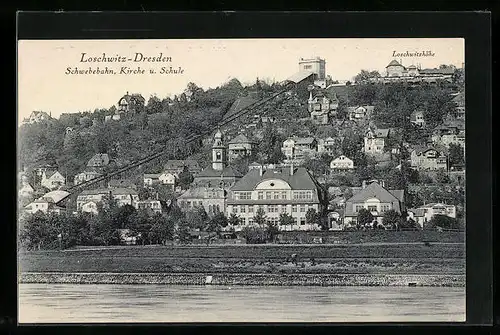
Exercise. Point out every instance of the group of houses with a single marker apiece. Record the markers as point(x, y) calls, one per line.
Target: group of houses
point(274, 189)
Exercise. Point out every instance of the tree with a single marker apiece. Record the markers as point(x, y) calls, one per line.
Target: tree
point(197, 218)
point(365, 217)
point(185, 178)
point(234, 220)
point(456, 155)
point(254, 235)
point(391, 219)
point(216, 223)
point(312, 217)
point(272, 231)
point(442, 177)
point(443, 221)
point(270, 145)
point(162, 229)
point(260, 217)
point(365, 76)
point(286, 219)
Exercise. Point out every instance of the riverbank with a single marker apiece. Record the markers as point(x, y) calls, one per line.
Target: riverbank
point(234, 279)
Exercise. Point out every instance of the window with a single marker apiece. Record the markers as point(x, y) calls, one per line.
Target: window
point(218, 209)
point(302, 221)
point(250, 221)
point(268, 195)
point(283, 208)
point(245, 195)
point(210, 208)
point(372, 208)
point(302, 208)
point(283, 195)
point(276, 195)
point(302, 195)
point(294, 208)
point(250, 209)
point(235, 209)
point(385, 208)
point(306, 67)
point(272, 208)
point(260, 195)
point(358, 208)
point(188, 203)
point(243, 209)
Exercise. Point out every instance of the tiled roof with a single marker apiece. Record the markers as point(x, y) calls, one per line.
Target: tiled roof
point(299, 76)
point(99, 160)
point(226, 172)
point(374, 190)
point(394, 63)
point(304, 140)
point(300, 180)
point(240, 139)
point(152, 175)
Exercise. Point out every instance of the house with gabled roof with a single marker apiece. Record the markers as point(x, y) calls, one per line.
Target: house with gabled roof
point(374, 140)
point(212, 199)
point(240, 146)
point(276, 191)
point(395, 69)
point(123, 196)
point(98, 161)
point(376, 199)
point(130, 103)
point(85, 176)
point(37, 116)
point(428, 158)
point(52, 179)
point(359, 112)
point(417, 118)
point(425, 213)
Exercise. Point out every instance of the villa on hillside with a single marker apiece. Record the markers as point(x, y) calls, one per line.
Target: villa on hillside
point(425, 213)
point(375, 140)
point(376, 199)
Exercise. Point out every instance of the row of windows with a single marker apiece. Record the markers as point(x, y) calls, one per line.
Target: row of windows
point(242, 195)
point(374, 208)
point(275, 220)
point(269, 208)
point(302, 195)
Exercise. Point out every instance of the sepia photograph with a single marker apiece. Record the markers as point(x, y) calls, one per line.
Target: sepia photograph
point(241, 180)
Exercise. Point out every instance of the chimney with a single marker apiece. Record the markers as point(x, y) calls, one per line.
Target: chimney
point(291, 169)
point(363, 185)
point(260, 170)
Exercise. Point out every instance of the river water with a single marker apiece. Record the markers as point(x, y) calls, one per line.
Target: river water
point(80, 303)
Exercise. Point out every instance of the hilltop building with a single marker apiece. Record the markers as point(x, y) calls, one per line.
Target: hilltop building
point(376, 199)
point(37, 116)
point(317, 66)
point(396, 71)
point(131, 103)
point(282, 190)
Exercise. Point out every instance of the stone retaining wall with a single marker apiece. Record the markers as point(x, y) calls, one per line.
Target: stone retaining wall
point(245, 279)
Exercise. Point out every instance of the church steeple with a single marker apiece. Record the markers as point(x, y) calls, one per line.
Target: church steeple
point(219, 157)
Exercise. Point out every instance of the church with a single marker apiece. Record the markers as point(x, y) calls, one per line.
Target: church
point(219, 174)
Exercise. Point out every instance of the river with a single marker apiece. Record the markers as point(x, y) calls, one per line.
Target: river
point(80, 303)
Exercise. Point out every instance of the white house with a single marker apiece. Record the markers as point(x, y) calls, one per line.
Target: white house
point(374, 140)
point(153, 205)
point(151, 178)
point(359, 112)
point(167, 179)
point(341, 163)
point(44, 205)
point(85, 176)
point(425, 213)
point(123, 196)
point(52, 180)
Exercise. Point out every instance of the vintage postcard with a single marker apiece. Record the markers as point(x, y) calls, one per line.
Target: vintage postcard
point(241, 180)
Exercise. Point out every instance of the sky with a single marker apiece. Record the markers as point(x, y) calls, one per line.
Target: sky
point(43, 83)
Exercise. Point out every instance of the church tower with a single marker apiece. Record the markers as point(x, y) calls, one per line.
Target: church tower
point(218, 152)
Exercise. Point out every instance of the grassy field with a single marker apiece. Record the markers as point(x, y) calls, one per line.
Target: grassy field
point(335, 259)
